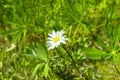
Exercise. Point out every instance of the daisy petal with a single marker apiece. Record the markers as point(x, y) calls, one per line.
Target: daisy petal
point(55, 38)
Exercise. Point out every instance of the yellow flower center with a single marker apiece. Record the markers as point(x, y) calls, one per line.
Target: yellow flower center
point(56, 39)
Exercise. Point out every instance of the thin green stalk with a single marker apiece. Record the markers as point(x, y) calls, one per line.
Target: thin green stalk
point(69, 55)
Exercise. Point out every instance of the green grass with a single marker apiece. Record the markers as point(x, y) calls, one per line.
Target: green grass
point(92, 28)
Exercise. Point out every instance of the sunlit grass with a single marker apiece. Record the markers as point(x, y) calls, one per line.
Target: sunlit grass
point(92, 32)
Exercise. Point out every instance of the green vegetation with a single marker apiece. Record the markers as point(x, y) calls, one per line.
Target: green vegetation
point(92, 51)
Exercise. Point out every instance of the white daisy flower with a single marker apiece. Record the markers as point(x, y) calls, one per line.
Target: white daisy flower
point(55, 39)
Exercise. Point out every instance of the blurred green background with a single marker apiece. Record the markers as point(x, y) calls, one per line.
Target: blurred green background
point(24, 28)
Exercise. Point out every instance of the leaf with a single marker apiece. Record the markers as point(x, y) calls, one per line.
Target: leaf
point(41, 52)
point(24, 33)
point(46, 70)
point(16, 37)
point(95, 53)
point(9, 22)
point(117, 31)
point(9, 32)
point(103, 4)
point(108, 30)
point(100, 42)
point(38, 66)
point(116, 59)
point(34, 53)
point(29, 55)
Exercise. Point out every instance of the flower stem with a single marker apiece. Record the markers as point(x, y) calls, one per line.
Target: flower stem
point(69, 55)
